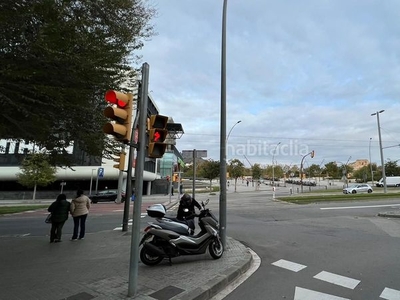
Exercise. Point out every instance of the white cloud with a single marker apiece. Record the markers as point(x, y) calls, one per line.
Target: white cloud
point(306, 73)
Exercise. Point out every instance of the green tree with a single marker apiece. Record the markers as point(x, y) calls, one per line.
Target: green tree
point(391, 168)
point(36, 171)
point(332, 170)
point(58, 58)
point(363, 174)
point(313, 170)
point(236, 169)
point(210, 170)
point(256, 173)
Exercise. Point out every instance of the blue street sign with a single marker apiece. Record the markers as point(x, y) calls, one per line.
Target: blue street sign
point(100, 172)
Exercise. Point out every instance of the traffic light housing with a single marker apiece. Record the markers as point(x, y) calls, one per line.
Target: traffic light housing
point(312, 154)
point(121, 161)
point(120, 113)
point(157, 132)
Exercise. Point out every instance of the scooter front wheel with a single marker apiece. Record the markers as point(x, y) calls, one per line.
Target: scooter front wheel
point(215, 248)
point(149, 258)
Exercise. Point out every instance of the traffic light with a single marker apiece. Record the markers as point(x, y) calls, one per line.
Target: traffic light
point(312, 154)
point(121, 161)
point(157, 133)
point(176, 177)
point(120, 112)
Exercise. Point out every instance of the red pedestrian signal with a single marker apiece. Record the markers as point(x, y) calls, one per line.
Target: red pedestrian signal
point(157, 134)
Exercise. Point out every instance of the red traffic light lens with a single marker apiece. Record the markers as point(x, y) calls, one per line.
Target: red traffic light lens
point(118, 98)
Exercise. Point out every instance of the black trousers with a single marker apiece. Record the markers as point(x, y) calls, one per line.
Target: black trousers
point(56, 231)
point(79, 223)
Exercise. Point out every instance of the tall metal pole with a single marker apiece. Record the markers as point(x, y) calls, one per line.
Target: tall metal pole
point(273, 165)
point(131, 154)
point(91, 182)
point(381, 150)
point(194, 174)
point(97, 180)
point(370, 162)
point(222, 200)
point(139, 169)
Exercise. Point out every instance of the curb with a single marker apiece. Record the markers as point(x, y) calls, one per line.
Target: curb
point(390, 214)
point(218, 282)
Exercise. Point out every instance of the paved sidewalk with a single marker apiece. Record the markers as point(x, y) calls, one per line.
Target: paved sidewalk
point(98, 268)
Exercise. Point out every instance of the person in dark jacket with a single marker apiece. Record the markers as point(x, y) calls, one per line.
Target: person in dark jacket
point(59, 214)
point(186, 210)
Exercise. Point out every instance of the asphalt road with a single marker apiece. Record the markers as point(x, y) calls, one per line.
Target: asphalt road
point(318, 251)
point(326, 251)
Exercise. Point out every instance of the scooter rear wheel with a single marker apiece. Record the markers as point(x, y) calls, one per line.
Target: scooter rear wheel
point(216, 249)
point(148, 258)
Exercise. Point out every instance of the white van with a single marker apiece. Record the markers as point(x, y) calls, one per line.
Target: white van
point(390, 181)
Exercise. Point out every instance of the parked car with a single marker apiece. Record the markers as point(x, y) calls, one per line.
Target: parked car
point(106, 196)
point(390, 181)
point(358, 188)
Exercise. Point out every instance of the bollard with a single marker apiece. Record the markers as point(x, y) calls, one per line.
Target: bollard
point(290, 191)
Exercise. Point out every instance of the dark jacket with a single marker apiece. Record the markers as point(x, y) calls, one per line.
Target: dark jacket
point(182, 215)
point(59, 210)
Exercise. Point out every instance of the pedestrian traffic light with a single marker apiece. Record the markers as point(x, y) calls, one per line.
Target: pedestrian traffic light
point(120, 112)
point(121, 161)
point(157, 133)
point(312, 154)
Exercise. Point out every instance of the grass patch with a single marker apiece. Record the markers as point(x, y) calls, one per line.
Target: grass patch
point(16, 209)
point(306, 199)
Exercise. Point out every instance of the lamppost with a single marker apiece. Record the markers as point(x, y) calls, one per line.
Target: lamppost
point(227, 137)
point(222, 170)
point(301, 168)
point(273, 164)
point(370, 162)
point(381, 149)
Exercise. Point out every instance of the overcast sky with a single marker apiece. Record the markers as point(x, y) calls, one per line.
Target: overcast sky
point(305, 74)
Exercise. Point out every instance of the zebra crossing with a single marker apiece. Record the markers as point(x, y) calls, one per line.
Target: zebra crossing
point(302, 293)
point(142, 215)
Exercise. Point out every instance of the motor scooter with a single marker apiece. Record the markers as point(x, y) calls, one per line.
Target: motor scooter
point(158, 243)
point(158, 211)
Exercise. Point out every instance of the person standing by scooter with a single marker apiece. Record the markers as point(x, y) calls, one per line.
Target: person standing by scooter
point(186, 211)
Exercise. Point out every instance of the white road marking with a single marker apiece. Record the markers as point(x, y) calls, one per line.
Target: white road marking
point(130, 221)
point(390, 294)
point(346, 282)
point(361, 206)
point(304, 294)
point(295, 267)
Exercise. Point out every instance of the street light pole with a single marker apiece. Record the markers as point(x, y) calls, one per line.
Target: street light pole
point(273, 164)
point(370, 162)
point(222, 175)
point(381, 149)
point(231, 130)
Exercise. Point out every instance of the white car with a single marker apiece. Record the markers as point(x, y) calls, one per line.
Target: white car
point(358, 188)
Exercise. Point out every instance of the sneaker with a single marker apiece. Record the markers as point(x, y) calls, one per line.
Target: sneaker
point(81, 238)
point(57, 241)
point(73, 240)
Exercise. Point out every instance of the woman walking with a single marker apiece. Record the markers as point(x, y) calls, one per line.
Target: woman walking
point(59, 214)
point(79, 210)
